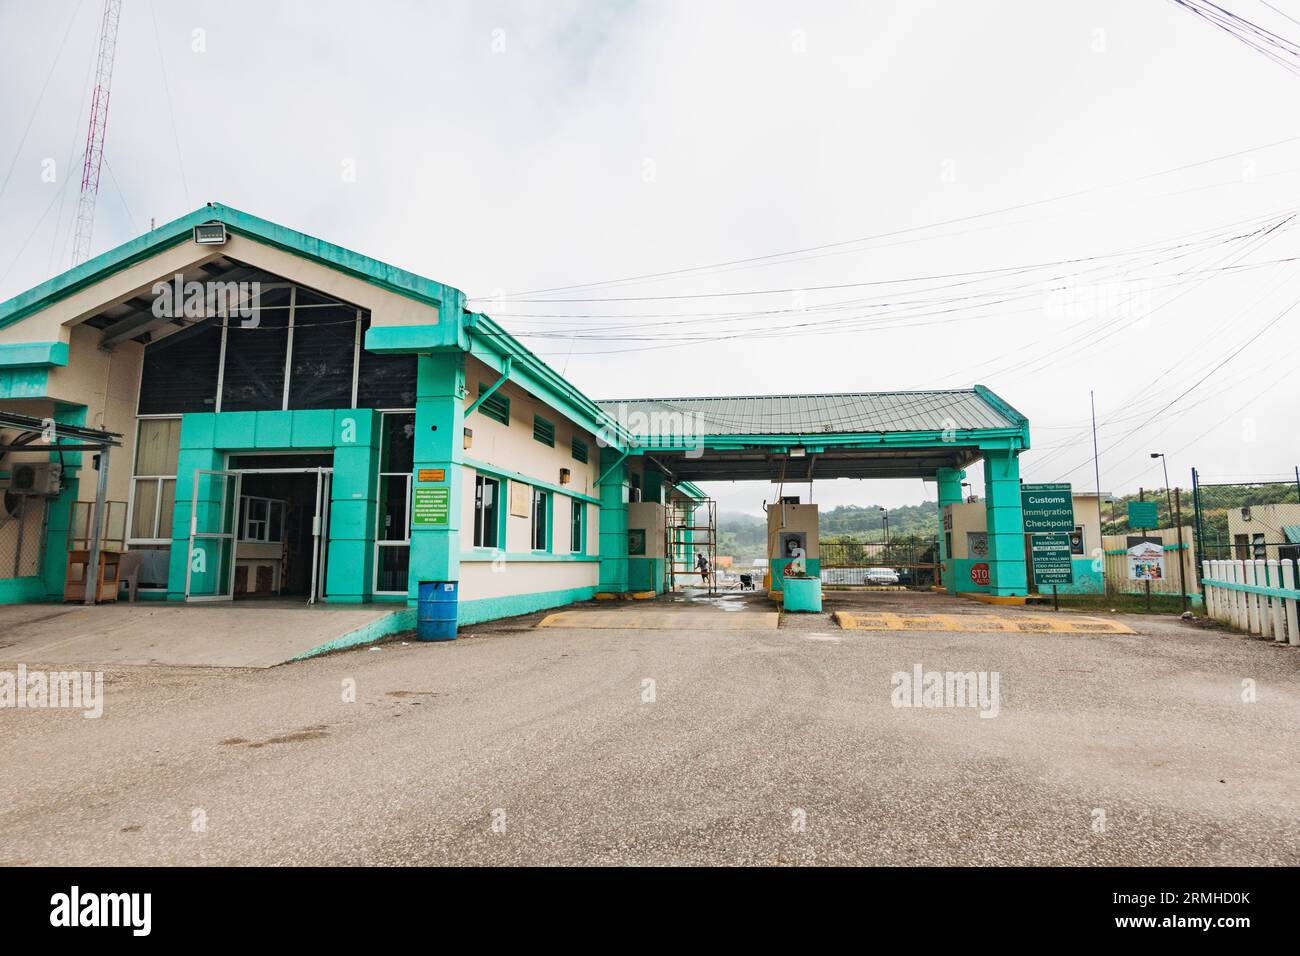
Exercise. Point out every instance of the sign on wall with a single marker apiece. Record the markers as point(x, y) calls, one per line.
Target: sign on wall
point(521, 497)
point(979, 574)
point(1047, 509)
point(977, 544)
point(1146, 558)
point(1143, 515)
point(1051, 556)
point(432, 474)
point(432, 506)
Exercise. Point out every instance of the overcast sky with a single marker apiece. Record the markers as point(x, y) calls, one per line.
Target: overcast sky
point(508, 147)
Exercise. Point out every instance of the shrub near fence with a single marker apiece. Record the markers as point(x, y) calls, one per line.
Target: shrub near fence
point(1259, 597)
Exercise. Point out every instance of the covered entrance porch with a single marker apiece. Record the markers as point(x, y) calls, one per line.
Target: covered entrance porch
point(792, 440)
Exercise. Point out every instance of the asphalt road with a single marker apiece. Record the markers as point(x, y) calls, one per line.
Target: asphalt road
point(517, 745)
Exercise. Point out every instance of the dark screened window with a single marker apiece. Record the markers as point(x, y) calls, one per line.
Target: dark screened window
point(324, 343)
point(254, 375)
point(397, 451)
point(541, 517)
point(487, 498)
point(543, 431)
point(577, 541)
point(180, 372)
point(386, 381)
point(496, 406)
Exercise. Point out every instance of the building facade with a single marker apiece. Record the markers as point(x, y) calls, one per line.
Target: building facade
point(300, 421)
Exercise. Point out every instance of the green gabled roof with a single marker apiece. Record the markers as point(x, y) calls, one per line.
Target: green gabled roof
point(450, 301)
point(852, 412)
point(180, 230)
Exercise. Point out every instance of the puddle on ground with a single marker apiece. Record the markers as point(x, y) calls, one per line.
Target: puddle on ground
point(723, 602)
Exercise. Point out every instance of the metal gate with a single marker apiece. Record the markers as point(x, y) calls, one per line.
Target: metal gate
point(914, 559)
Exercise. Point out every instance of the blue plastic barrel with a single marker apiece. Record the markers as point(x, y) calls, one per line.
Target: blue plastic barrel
point(436, 614)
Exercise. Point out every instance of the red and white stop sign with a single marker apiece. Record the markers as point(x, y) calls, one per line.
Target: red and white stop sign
point(979, 573)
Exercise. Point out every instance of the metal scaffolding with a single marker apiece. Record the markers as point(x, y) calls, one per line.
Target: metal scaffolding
point(690, 529)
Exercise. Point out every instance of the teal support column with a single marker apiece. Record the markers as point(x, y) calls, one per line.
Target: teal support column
point(439, 447)
point(1006, 531)
point(59, 516)
point(653, 485)
point(949, 481)
point(613, 521)
point(354, 492)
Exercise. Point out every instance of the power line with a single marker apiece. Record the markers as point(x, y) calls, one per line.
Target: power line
point(1233, 354)
point(22, 141)
point(897, 232)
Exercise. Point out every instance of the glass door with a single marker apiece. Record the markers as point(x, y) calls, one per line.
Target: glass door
point(210, 570)
point(320, 532)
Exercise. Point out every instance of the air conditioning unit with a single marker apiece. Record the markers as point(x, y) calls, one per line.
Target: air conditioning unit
point(43, 478)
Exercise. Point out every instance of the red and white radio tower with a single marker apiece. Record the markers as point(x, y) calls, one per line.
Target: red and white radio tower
point(95, 135)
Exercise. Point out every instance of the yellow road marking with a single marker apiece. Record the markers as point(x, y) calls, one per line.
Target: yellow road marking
point(631, 618)
point(1019, 623)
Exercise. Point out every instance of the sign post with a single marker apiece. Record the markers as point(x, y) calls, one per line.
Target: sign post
point(1053, 562)
point(1048, 514)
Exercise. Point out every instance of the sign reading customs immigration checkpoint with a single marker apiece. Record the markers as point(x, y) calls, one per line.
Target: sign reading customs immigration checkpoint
point(1047, 508)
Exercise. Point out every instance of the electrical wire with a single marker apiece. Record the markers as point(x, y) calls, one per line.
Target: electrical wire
point(898, 232)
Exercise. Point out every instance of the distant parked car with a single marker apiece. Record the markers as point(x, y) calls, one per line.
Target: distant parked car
point(880, 576)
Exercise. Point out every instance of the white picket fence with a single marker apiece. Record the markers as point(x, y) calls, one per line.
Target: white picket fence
point(1256, 596)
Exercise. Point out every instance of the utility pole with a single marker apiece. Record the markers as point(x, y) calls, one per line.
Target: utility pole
point(94, 159)
point(1096, 472)
point(1175, 515)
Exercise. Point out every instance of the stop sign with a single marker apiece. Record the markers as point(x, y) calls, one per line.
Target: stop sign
point(979, 573)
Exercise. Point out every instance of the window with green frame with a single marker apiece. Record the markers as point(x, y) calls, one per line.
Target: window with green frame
point(543, 431)
point(496, 406)
point(577, 540)
point(579, 450)
point(541, 520)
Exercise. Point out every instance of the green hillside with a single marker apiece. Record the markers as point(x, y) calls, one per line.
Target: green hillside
point(745, 536)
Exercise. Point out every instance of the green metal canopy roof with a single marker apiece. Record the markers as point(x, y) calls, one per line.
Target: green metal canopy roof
point(802, 437)
point(809, 415)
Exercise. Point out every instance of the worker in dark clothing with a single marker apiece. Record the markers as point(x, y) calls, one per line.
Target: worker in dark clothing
point(702, 565)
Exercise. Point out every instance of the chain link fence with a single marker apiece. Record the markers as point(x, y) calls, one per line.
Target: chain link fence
point(1246, 520)
point(847, 562)
point(22, 535)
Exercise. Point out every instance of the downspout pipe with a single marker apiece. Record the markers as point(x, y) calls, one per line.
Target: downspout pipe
point(505, 374)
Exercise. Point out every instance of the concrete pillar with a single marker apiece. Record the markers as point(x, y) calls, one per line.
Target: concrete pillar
point(1006, 533)
point(613, 521)
point(652, 488)
point(439, 446)
point(354, 494)
point(59, 514)
point(949, 481)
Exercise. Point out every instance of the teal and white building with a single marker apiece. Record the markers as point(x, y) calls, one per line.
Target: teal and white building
point(299, 420)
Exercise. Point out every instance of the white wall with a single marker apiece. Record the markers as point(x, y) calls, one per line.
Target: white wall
point(513, 449)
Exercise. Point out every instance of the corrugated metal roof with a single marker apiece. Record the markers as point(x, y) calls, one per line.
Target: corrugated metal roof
point(816, 414)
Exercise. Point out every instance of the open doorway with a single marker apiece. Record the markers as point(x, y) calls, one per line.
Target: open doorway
point(281, 526)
